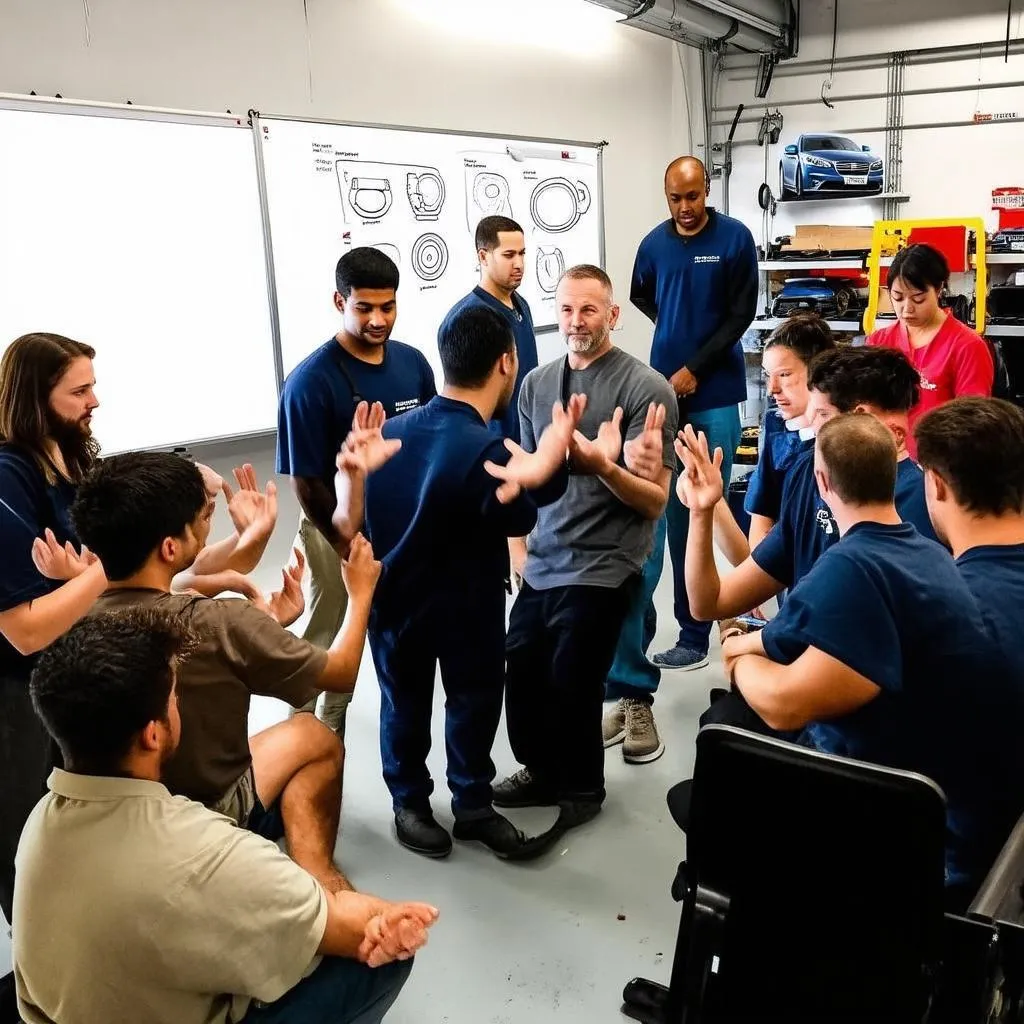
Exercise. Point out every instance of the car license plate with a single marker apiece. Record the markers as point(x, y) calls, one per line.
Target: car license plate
point(855, 179)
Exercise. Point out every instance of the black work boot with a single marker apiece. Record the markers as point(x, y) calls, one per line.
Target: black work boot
point(418, 831)
point(499, 835)
point(523, 790)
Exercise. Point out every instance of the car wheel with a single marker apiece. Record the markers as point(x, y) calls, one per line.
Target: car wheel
point(784, 190)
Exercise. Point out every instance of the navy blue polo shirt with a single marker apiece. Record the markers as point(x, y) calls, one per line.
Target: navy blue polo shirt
point(893, 607)
point(520, 320)
point(780, 451)
point(319, 399)
point(806, 529)
point(692, 287)
point(434, 520)
point(28, 505)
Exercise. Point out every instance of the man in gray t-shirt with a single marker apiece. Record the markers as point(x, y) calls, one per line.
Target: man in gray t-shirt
point(582, 562)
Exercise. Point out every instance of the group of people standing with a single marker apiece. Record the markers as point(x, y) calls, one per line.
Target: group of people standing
point(421, 512)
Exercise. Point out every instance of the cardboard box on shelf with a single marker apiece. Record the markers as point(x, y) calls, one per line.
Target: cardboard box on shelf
point(829, 238)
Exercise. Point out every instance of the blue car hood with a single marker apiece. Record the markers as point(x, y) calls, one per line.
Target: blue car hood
point(844, 155)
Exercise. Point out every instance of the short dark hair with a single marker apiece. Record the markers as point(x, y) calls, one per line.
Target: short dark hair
point(129, 503)
point(471, 343)
point(487, 231)
point(806, 335)
point(101, 683)
point(365, 267)
point(977, 446)
point(859, 453)
point(587, 272)
point(881, 377)
point(921, 266)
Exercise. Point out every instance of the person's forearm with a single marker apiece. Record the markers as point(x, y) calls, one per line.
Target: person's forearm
point(318, 505)
point(348, 914)
point(762, 683)
point(350, 496)
point(644, 496)
point(212, 584)
point(346, 653)
point(703, 584)
point(728, 535)
point(215, 558)
point(36, 624)
point(760, 527)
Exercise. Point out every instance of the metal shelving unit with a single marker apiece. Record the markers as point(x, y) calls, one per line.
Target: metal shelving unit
point(769, 323)
point(843, 263)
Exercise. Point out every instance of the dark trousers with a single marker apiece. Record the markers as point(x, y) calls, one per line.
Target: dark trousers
point(471, 655)
point(26, 756)
point(560, 646)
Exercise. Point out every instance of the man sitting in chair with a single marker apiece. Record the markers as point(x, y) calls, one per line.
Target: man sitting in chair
point(880, 652)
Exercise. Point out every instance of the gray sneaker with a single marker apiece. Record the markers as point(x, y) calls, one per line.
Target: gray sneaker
point(642, 743)
point(682, 659)
point(614, 723)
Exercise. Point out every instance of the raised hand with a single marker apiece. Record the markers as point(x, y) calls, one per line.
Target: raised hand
point(365, 451)
point(253, 513)
point(287, 604)
point(644, 455)
point(57, 562)
point(369, 417)
point(700, 485)
point(599, 455)
point(528, 470)
point(360, 570)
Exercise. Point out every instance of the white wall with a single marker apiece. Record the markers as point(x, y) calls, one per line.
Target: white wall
point(947, 172)
point(554, 68)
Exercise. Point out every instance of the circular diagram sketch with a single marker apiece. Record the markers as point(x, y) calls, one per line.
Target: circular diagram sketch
point(370, 197)
point(558, 203)
point(429, 256)
point(426, 194)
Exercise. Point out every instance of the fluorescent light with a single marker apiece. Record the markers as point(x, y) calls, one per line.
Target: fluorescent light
point(573, 27)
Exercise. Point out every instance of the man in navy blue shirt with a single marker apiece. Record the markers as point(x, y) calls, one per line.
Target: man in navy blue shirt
point(880, 653)
point(695, 277)
point(877, 381)
point(320, 396)
point(439, 521)
point(501, 252)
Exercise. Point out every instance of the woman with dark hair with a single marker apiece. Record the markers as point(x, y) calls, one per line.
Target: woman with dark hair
point(46, 448)
point(951, 359)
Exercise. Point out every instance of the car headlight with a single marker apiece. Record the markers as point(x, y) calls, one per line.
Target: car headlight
point(876, 165)
point(816, 161)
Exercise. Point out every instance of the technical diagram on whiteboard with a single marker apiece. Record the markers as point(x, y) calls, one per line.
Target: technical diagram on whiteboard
point(429, 256)
point(425, 190)
point(550, 267)
point(389, 249)
point(366, 188)
point(558, 203)
point(486, 196)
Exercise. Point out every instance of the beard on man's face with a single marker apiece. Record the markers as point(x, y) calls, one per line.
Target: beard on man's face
point(73, 437)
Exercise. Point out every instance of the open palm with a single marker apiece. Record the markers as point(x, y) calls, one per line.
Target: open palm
point(700, 485)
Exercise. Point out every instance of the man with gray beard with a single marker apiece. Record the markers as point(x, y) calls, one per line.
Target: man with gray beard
point(583, 559)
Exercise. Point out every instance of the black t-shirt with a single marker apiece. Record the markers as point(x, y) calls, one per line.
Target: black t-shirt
point(28, 505)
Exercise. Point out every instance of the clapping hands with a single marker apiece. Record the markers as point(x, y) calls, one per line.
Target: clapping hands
point(252, 512)
point(60, 562)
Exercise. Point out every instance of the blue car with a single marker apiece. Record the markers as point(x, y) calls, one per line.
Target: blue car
point(832, 297)
point(825, 163)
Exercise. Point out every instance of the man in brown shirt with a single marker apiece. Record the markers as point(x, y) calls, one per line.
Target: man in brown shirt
point(147, 516)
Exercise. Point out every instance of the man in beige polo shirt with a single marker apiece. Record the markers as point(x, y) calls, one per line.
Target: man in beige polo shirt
point(146, 515)
point(131, 904)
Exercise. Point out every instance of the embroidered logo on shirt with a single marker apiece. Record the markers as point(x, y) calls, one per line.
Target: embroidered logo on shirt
point(927, 384)
point(707, 259)
point(826, 522)
point(405, 404)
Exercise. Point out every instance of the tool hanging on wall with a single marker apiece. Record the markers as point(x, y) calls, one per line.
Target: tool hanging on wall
point(826, 87)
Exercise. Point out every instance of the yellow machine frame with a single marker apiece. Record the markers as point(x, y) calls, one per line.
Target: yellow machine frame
point(883, 231)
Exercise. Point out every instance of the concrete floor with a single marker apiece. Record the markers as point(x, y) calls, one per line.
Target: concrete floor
point(530, 943)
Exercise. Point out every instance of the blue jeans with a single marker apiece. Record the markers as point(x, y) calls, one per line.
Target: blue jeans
point(631, 674)
point(339, 991)
point(722, 428)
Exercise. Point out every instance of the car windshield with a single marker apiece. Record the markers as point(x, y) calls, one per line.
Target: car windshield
point(813, 142)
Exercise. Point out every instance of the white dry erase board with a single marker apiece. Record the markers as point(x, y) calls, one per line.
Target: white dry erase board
point(417, 195)
point(140, 233)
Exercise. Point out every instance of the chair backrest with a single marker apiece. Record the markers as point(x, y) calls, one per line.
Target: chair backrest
point(832, 872)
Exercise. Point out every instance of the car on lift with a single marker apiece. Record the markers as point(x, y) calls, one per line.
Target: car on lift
point(823, 163)
point(828, 297)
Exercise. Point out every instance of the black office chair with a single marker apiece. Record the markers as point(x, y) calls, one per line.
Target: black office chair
point(812, 891)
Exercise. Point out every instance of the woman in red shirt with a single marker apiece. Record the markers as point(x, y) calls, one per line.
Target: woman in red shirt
point(951, 359)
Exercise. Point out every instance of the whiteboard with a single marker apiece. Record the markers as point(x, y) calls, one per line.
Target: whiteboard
point(418, 196)
point(143, 238)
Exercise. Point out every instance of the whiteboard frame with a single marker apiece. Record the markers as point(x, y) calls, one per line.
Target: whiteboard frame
point(129, 111)
point(256, 116)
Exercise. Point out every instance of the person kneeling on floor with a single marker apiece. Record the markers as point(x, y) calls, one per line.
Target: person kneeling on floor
point(147, 515)
point(132, 904)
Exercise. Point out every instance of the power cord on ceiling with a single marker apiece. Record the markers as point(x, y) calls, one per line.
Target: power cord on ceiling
point(826, 87)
